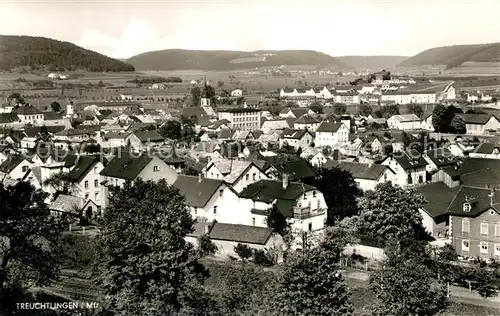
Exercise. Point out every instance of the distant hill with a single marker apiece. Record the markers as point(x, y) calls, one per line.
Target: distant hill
point(372, 62)
point(41, 52)
point(179, 59)
point(453, 56)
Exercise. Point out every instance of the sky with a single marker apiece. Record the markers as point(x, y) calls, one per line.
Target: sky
point(124, 28)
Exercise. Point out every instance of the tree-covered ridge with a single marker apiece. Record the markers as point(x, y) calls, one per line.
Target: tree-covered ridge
point(453, 56)
point(41, 52)
point(172, 59)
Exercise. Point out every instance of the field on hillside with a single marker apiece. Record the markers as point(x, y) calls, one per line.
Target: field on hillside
point(254, 83)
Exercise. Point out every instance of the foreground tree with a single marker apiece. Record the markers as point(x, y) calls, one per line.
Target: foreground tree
point(405, 285)
point(339, 108)
point(146, 264)
point(61, 182)
point(196, 96)
point(457, 124)
point(171, 130)
point(30, 243)
point(365, 109)
point(390, 213)
point(312, 285)
point(277, 221)
point(340, 192)
point(55, 106)
point(317, 107)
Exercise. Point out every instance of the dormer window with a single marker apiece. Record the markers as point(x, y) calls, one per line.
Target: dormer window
point(466, 207)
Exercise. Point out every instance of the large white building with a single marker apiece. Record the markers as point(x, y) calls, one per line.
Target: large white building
point(408, 97)
point(242, 118)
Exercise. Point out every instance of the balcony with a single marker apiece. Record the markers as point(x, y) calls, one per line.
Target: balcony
point(306, 212)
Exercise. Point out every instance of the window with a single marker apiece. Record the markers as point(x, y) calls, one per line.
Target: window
point(254, 176)
point(310, 227)
point(484, 247)
point(497, 250)
point(156, 168)
point(221, 192)
point(215, 209)
point(484, 229)
point(314, 194)
point(465, 226)
point(96, 183)
point(465, 245)
point(318, 205)
point(497, 230)
point(96, 196)
point(309, 204)
point(466, 207)
point(305, 195)
point(247, 176)
point(25, 168)
point(86, 184)
point(253, 221)
point(95, 170)
point(420, 179)
point(385, 177)
point(86, 196)
point(195, 211)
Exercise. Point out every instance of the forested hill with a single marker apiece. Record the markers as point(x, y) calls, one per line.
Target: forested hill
point(453, 56)
point(180, 59)
point(41, 52)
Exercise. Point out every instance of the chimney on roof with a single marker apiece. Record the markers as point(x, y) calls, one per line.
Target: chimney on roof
point(491, 195)
point(285, 181)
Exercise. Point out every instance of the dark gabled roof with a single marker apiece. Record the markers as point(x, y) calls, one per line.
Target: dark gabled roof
point(197, 192)
point(296, 169)
point(479, 172)
point(268, 190)
point(225, 133)
point(481, 201)
point(294, 133)
point(474, 118)
point(36, 130)
point(298, 112)
point(11, 163)
point(306, 119)
point(438, 196)
point(149, 136)
point(219, 123)
point(126, 166)
point(486, 148)
point(328, 127)
point(409, 160)
point(83, 165)
point(47, 116)
point(441, 157)
point(27, 110)
point(9, 118)
point(359, 170)
point(240, 233)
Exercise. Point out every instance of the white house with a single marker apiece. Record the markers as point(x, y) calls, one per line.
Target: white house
point(86, 178)
point(273, 125)
point(15, 167)
point(303, 205)
point(331, 134)
point(306, 121)
point(427, 123)
point(366, 176)
point(129, 166)
point(237, 93)
point(237, 173)
point(409, 168)
point(480, 124)
point(203, 196)
point(404, 122)
point(297, 138)
point(29, 115)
